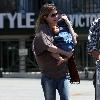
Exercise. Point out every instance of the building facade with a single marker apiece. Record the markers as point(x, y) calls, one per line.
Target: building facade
point(17, 19)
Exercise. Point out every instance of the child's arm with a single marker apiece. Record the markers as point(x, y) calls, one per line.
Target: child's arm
point(74, 35)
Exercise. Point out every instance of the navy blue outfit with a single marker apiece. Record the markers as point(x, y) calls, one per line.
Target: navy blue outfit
point(63, 39)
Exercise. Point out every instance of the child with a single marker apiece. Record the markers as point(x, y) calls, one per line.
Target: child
point(65, 38)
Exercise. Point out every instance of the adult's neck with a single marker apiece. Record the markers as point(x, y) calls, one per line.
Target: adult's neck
point(52, 25)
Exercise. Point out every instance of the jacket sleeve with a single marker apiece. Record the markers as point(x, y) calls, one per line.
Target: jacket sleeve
point(41, 43)
point(93, 36)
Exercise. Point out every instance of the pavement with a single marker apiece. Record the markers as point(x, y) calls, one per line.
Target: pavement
point(30, 89)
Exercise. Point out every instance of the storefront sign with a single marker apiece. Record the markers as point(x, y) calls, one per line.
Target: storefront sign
point(83, 20)
point(17, 20)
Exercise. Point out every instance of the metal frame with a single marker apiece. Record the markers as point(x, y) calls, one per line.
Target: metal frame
point(97, 92)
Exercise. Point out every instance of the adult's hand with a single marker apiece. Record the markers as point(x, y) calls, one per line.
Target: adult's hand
point(96, 55)
point(69, 54)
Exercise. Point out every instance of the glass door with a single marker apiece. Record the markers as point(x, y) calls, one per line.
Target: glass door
point(9, 57)
point(31, 65)
point(83, 60)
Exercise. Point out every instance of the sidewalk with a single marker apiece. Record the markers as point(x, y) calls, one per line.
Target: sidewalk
point(30, 89)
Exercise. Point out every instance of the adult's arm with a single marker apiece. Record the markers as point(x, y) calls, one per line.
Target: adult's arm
point(55, 49)
point(43, 43)
point(92, 40)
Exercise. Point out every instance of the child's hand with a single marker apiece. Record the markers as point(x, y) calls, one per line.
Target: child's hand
point(64, 16)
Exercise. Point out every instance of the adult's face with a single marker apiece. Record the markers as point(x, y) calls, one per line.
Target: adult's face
point(52, 18)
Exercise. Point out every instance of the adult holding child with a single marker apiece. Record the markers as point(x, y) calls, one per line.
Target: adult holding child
point(54, 69)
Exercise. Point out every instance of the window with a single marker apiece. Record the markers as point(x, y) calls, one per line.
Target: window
point(8, 6)
point(78, 6)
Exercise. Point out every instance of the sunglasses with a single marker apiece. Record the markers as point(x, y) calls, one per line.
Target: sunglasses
point(53, 15)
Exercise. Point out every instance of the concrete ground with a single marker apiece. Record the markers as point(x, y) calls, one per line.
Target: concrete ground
point(30, 89)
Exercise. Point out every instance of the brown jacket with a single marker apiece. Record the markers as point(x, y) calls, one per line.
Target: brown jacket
point(48, 64)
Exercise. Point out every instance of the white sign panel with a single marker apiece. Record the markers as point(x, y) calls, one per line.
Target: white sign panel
point(16, 20)
point(83, 20)
point(23, 52)
point(29, 19)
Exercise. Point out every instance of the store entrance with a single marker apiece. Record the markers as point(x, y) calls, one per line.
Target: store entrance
point(9, 57)
point(16, 55)
point(83, 60)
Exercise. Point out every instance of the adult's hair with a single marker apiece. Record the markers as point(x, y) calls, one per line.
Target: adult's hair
point(44, 12)
point(42, 2)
